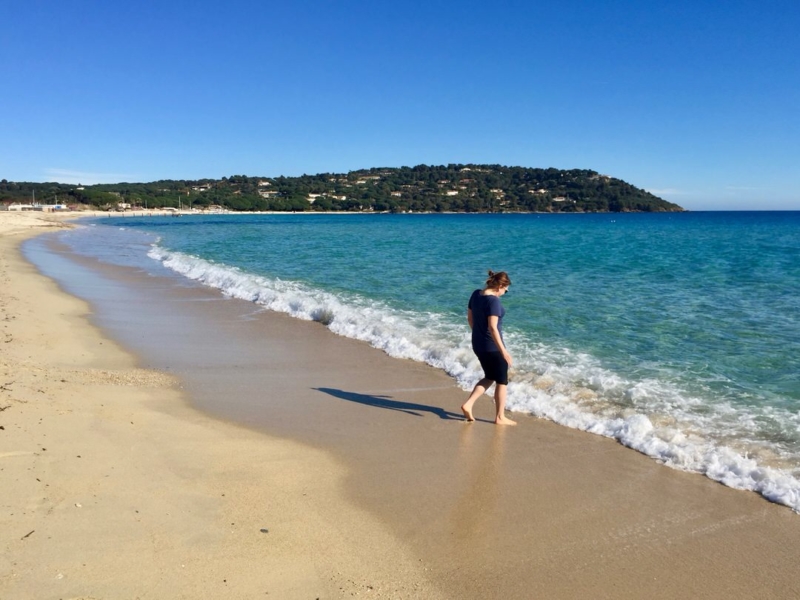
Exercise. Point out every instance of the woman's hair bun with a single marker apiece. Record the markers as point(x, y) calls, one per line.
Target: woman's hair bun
point(497, 280)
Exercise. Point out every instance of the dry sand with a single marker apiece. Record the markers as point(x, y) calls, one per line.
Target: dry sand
point(394, 500)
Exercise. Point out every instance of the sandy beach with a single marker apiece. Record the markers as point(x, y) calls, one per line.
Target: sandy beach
point(333, 471)
point(112, 487)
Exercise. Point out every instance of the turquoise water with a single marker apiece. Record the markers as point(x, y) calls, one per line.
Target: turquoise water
point(677, 334)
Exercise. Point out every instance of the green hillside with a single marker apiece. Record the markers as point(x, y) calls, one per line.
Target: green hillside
point(450, 188)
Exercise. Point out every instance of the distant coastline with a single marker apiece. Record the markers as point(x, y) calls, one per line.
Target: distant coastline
point(453, 188)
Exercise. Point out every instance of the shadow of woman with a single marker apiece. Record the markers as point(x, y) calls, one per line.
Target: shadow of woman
point(386, 402)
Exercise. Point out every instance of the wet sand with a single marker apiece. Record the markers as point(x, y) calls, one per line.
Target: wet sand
point(465, 510)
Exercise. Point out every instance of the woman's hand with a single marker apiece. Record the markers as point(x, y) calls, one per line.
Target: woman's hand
point(508, 358)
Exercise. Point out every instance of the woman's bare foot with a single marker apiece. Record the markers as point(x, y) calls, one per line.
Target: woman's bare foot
point(467, 414)
point(504, 421)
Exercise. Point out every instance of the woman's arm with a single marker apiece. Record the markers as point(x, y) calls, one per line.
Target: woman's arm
point(469, 317)
point(493, 320)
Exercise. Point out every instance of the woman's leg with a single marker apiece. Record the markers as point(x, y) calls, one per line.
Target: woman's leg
point(500, 405)
point(478, 391)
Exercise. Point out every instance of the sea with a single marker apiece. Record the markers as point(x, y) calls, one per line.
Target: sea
point(676, 334)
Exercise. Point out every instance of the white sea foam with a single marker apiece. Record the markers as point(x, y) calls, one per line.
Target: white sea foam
point(571, 389)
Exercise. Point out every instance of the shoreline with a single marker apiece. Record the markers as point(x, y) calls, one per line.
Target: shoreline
point(70, 215)
point(543, 511)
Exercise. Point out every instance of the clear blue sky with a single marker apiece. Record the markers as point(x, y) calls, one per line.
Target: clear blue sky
point(697, 101)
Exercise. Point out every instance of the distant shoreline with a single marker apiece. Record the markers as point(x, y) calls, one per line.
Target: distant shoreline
point(162, 213)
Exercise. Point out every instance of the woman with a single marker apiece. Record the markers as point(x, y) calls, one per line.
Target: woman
point(485, 316)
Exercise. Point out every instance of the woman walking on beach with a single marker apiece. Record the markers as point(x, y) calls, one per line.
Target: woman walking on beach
point(485, 315)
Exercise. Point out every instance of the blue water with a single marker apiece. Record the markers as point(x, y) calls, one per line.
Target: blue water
point(677, 334)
